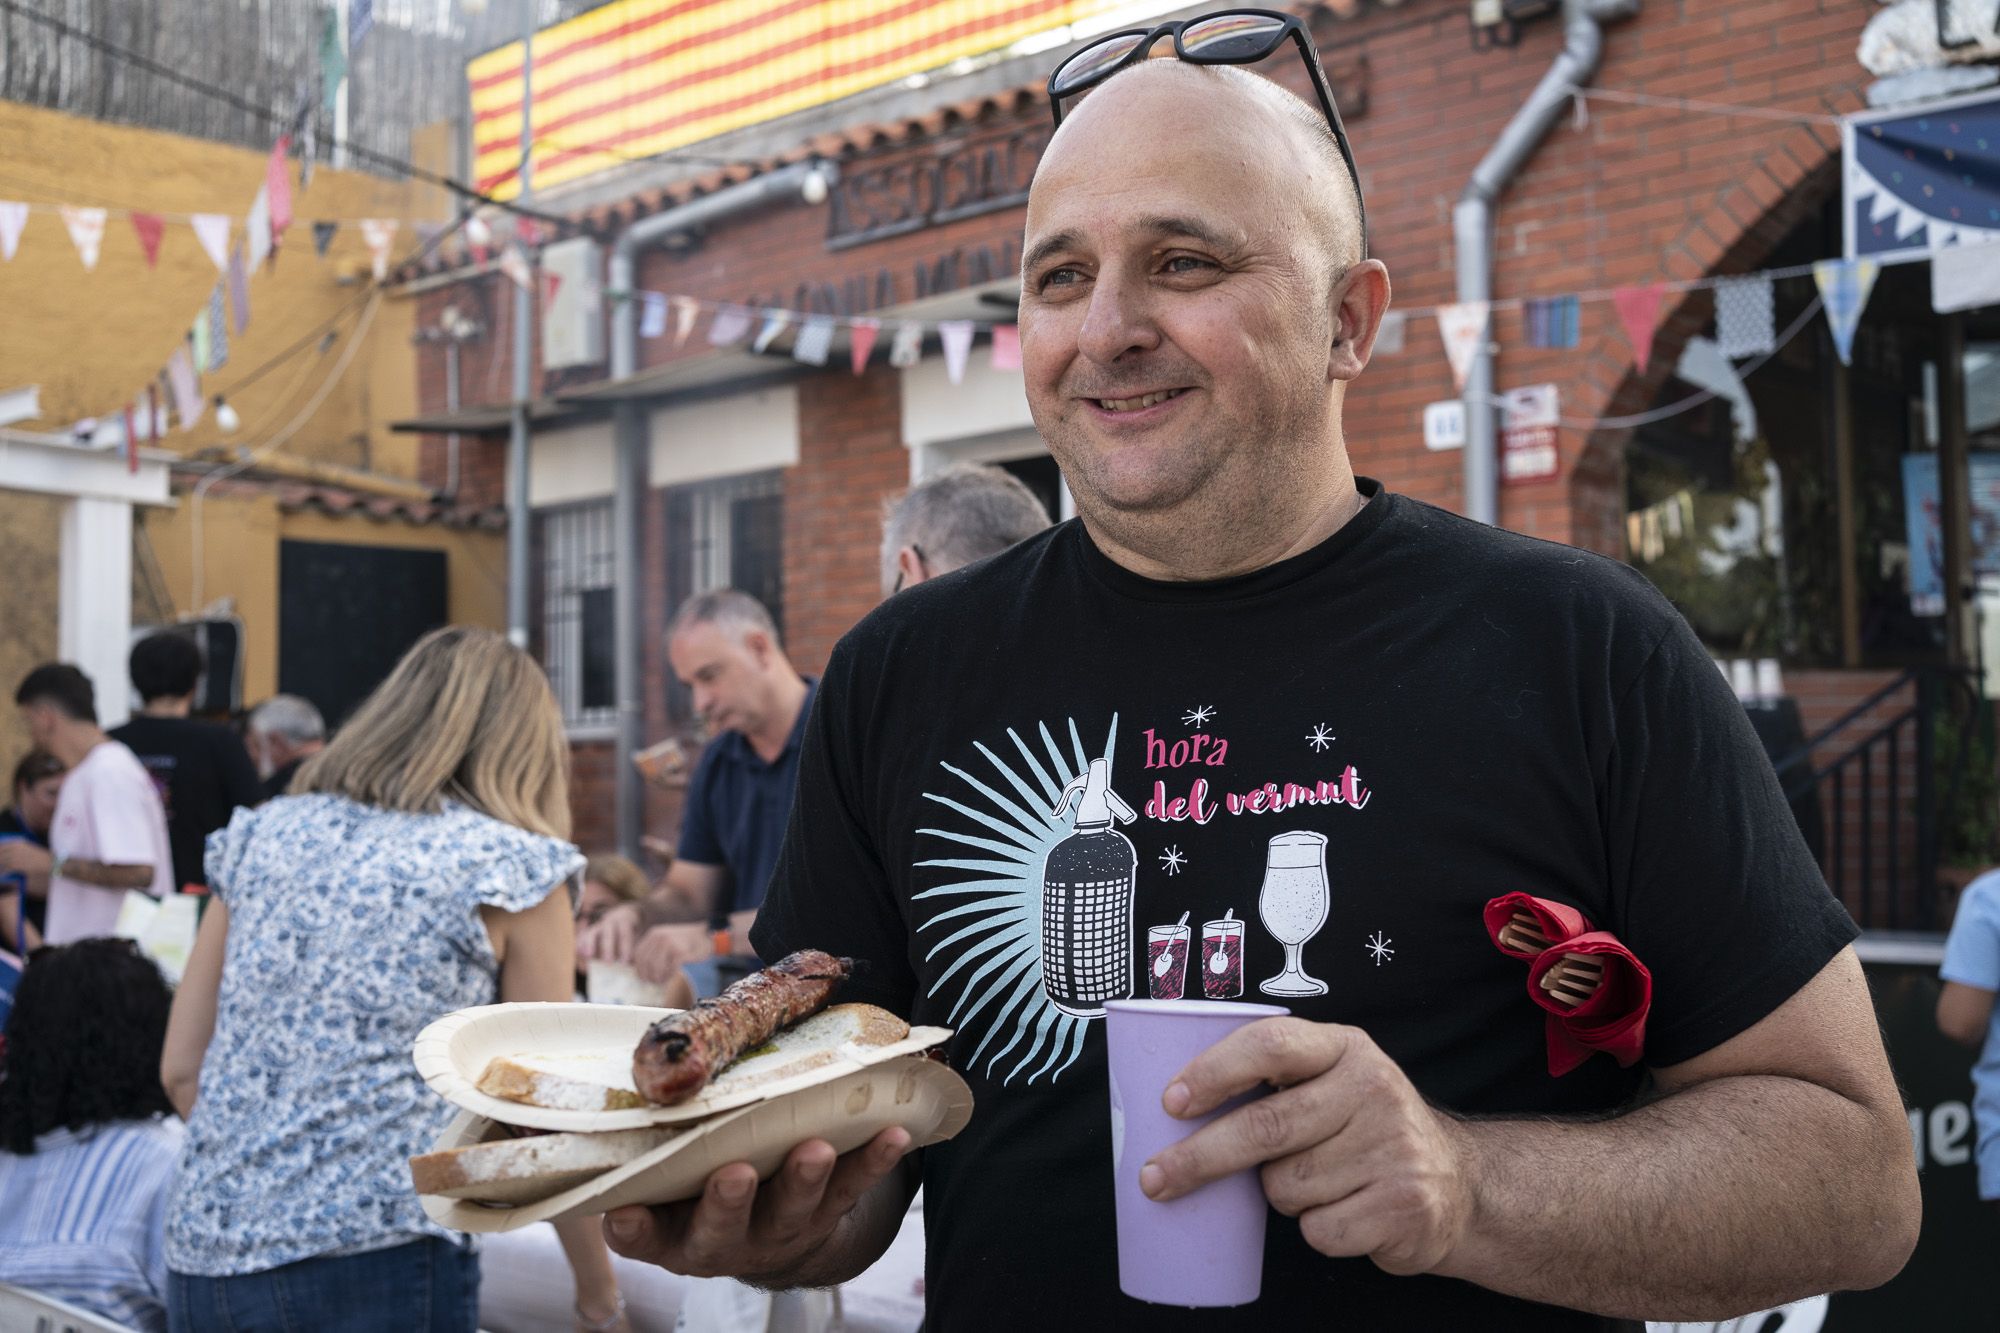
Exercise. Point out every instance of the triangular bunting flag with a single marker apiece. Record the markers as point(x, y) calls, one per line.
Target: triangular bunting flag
point(652, 314)
point(1006, 346)
point(332, 59)
point(956, 335)
point(775, 323)
point(1391, 334)
point(239, 291)
point(323, 234)
point(1745, 318)
point(379, 234)
point(187, 395)
point(1844, 285)
point(278, 183)
point(815, 341)
point(861, 342)
point(514, 264)
point(218, 331)
point(1462, 326)
point(257, 228)
point(150, 227)
point(907, 347)
point(1639, 314)
point(551, 284)
point(685, 310)
point(1552, 323)
point(13, 217)
point(730, 324)
point(86, 231)
point(479, 236)
point(198, 342)
point(212, 230)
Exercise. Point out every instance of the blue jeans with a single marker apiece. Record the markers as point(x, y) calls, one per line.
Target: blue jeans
point(428, 1286)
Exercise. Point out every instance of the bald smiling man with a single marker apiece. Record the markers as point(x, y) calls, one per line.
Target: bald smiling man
point(1263, 646)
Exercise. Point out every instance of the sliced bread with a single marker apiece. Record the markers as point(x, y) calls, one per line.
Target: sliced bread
point(819, 1040)
point(528, 1170)
point(589, 1080)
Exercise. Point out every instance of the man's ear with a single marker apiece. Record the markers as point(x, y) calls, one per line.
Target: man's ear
point(758, 644)
point(1360, 300)
point(911, 568)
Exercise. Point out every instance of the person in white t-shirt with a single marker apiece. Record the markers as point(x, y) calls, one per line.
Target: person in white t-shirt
point(110, 830)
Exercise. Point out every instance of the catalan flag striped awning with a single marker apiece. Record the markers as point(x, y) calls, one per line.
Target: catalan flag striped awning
point(637, 77)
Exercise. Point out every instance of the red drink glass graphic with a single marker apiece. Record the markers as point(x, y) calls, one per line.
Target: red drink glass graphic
point(1222, 958)
point(1166, 959)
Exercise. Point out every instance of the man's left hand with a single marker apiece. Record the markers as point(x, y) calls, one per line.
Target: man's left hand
point(663, 949)
point(1346, 1144)
point(18, 856)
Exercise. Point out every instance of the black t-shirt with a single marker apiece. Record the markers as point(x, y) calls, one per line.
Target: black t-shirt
point(203, 773)
point(1460, 712)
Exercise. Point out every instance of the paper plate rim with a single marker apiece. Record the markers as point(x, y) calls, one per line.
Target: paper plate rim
point(432, 1054)
point(952, 1101)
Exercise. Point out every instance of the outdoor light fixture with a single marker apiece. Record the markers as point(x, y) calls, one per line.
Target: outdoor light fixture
point(1498, 22)
point(813, 189)
point(225, 416)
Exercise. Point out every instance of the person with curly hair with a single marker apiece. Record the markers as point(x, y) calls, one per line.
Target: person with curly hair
point(87, 1136)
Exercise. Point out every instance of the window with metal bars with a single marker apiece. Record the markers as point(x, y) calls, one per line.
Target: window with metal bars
point(727, 533)
point(577, 611)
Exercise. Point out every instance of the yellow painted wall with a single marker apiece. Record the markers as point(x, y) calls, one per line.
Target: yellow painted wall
point(28, 529)
point(240, 537)
point(94, 339)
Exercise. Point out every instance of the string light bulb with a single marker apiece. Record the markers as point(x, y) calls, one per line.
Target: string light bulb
point(225, 416)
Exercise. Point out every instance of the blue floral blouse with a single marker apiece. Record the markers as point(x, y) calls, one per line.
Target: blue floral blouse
point(350, 929)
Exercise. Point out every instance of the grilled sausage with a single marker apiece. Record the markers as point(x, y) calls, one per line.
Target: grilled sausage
point(678, 1055)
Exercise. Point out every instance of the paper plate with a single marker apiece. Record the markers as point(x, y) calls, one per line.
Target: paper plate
point(923, 1096)
point(453, 1052)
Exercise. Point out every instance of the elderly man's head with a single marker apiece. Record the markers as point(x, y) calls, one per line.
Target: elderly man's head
point(724, 647)
point(282, 729)
point(953, 518)
point(1193, 297)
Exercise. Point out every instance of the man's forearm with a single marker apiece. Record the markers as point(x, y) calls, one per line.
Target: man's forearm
point(668, 907)
point(861, 1237)
point(107, 876)
point(1734, 1195)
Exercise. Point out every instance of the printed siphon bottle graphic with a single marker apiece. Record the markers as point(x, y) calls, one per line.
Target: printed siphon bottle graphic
point(1087, 884)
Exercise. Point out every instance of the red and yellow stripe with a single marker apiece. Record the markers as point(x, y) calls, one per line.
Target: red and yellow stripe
point(637, 77)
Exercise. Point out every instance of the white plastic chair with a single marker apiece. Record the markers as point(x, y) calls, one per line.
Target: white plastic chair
point(24, 1311)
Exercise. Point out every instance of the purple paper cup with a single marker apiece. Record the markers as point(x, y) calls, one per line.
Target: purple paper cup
point(1205, 1248)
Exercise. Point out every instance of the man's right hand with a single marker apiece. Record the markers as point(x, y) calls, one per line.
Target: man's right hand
point(663, 949)
point(782, 1234)
point(612, 939)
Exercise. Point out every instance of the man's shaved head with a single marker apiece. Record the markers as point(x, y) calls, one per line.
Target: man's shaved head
point(1327, 183)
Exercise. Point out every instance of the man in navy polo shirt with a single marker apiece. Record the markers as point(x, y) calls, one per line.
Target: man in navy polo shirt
point(724, 647)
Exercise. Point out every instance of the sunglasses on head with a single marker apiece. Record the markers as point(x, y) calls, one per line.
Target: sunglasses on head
point(1228, 37)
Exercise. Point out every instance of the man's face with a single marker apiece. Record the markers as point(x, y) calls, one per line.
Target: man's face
point(270, 752)
point(37, 802)
point(727, 674)
point(1175, 305)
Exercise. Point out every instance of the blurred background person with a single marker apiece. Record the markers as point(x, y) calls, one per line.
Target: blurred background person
point(952, 518)
point(201, 768)
point(724, 647)
point(37, 783)
point(609, 881)
point(1966, 1014)
point(284, 732)
point(110, 831)
point(422, 867)
point(87, 1138)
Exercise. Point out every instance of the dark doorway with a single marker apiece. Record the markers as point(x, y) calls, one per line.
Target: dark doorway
point(347, 613)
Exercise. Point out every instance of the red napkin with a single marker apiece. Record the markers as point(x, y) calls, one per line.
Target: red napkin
point(1613, 1019)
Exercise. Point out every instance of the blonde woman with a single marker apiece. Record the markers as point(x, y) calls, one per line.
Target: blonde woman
point(421, 865)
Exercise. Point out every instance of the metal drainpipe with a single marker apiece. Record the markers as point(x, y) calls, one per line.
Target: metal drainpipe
point(629, 486)
point(451, 391)
point(1472, 225)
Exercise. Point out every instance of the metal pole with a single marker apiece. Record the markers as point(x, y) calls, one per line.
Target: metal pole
point(628, 498)
point(340, 90)
point(524, 315)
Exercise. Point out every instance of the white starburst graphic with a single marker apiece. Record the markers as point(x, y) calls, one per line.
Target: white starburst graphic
point(1198, 717)
point(1322, 736)
point(1171, 860)
point(1378, 948)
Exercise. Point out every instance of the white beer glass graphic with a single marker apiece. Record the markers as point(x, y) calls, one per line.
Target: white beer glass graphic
point(1293, 906)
